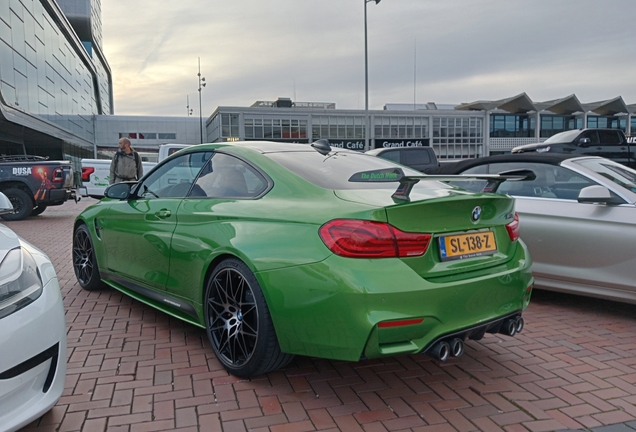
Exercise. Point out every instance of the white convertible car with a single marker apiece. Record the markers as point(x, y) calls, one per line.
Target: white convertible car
point(578, 218)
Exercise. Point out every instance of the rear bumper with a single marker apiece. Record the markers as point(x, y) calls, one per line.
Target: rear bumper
point(332, 309)
point(58, 197)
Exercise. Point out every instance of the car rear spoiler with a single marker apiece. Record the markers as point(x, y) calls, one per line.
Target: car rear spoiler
point(493, 181)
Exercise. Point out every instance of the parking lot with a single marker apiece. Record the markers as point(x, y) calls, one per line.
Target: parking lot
point(132, 368)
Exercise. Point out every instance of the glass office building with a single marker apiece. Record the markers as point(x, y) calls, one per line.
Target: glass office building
point(54, 78)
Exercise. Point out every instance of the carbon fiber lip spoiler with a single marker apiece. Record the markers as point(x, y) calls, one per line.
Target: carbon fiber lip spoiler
point(493, 181)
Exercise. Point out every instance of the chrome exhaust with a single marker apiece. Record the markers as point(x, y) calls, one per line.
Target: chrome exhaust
point(456, 347)
point(440, 351)
point(509, 327)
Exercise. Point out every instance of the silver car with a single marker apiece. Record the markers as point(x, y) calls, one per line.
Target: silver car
point(578, 218)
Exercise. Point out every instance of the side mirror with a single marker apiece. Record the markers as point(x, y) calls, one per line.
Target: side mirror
point(598, 195)
point(5, 204)
point(119, 191)
point(584, 142)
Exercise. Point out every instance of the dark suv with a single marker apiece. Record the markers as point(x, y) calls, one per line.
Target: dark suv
point(420, 158)
point(607, 143)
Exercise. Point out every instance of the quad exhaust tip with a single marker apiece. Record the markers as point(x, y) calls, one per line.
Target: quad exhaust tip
point(444, 349)
point(454, 347)
point(512, 326)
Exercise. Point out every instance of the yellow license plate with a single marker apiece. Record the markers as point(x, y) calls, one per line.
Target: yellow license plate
point(462, 246)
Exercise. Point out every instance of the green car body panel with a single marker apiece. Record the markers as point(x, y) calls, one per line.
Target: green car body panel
point(321, 304)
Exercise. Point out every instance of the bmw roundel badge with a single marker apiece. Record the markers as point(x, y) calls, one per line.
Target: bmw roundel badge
point(476, 214)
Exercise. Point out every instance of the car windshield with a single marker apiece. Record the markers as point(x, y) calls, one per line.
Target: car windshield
point(619, 174)
point(335, 170)
point(567, 136)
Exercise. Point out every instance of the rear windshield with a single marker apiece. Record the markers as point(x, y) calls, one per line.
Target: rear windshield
point(335, 170)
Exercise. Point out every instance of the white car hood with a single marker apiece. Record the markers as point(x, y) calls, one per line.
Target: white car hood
point(8, 240)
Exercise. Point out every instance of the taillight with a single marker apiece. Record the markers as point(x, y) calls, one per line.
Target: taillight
point(513, 228)
point(86, 173)
point(58, 175)
point(365, 239)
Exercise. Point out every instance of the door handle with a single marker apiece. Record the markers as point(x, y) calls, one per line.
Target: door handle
point(163, 214)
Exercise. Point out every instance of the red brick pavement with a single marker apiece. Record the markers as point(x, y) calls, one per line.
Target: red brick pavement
point(133, 369)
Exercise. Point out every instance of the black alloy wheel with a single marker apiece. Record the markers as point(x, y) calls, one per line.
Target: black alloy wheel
point(238, 323)
point(84, 262)
point(22, 204)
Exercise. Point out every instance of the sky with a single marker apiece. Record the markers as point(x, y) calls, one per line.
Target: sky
point(419, 51)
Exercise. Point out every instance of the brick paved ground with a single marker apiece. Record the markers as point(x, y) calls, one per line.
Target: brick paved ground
point(131, 368)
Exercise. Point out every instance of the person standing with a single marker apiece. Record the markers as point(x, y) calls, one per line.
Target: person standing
point(126, 164)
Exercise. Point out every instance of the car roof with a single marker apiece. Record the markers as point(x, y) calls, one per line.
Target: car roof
point(546, 158)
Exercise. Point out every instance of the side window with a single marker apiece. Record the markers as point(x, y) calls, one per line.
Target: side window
point(552, 181)
point(592, 135)
point(174, 178)
point(392, 155)
point(473, 185)
point(228, 177)
point(419, 156)
point(610, 138)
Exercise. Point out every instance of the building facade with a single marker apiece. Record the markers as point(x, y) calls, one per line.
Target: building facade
point(54, 78)
point(454, 131)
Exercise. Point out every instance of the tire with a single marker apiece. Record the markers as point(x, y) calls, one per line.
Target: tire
point(22, 204)
point(84, 262)
point(238, 322)
point(39, 210)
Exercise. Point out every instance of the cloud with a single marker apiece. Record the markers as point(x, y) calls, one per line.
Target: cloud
point(447, 52)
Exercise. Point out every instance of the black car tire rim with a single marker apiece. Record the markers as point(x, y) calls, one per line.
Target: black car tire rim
point(232, 317)
point(83, 259)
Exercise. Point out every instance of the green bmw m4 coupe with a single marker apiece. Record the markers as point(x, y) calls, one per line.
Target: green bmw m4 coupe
point(280, 249)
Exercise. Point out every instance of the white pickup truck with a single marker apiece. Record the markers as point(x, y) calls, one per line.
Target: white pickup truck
point(96, 172)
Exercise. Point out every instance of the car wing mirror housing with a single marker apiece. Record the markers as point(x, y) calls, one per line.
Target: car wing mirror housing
point(598, 195)
point(120, 191)
point(5, 204)
point(584, 142)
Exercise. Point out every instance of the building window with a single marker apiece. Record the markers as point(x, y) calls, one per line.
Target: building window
point(229, 125)
point(459, 130)
point(275, 129)
point(337, 127)
point(511, 125)
point(147, 135)
point(167, 136)
point(553, 124)
point(606, 122)
point(387, 127)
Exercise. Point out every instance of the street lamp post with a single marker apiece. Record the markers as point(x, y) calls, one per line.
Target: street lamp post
point(188, 109)
point(201, 85)
point(366, 78)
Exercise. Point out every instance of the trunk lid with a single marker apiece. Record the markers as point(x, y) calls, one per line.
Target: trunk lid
point(458, 222)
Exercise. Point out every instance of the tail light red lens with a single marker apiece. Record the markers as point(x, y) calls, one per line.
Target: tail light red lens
point(86, 173)
point(58, 175)
point(513, 228)
point(365, 239)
